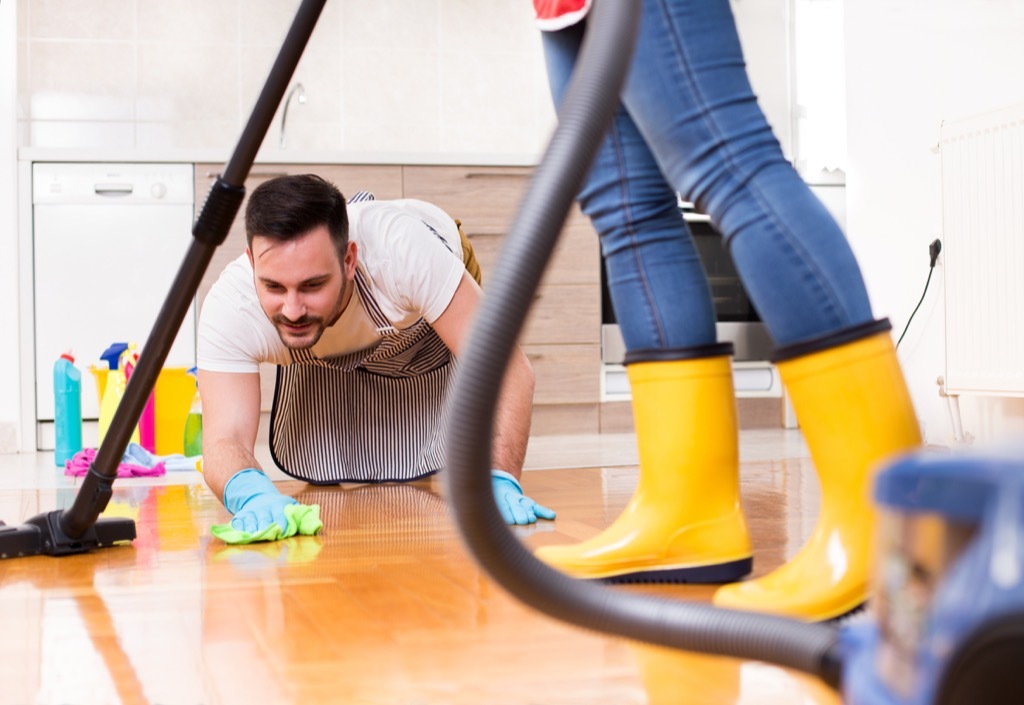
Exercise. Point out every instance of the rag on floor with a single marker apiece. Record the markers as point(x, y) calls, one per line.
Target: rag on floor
point(136, 462)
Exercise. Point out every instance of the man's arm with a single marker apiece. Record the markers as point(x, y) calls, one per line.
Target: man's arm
point(515, 403)
point(231, 417)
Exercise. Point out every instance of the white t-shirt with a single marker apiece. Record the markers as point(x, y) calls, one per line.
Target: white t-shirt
point(410, 254)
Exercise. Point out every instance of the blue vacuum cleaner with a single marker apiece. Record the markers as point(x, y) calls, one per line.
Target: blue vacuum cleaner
point(947, 625)
point(948, 613)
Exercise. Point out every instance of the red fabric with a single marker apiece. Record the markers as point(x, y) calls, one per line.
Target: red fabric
point(553, 15)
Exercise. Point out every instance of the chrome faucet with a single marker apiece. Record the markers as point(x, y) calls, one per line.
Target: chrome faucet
point(297, 88)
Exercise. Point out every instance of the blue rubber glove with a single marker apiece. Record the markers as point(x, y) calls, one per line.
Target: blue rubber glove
point(515, 507)
point(255, 503)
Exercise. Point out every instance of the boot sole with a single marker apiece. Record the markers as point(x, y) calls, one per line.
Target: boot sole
point(719, 573)
point(852, 616)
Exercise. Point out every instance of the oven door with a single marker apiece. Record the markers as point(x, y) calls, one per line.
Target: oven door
point(736, 318)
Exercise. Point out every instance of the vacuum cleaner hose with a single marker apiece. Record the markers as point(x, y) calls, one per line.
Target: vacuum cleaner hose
point(588, 108)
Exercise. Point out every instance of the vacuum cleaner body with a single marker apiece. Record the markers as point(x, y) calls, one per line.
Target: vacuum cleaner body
point(948, 625)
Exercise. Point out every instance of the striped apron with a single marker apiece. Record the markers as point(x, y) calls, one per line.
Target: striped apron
point(376, 415)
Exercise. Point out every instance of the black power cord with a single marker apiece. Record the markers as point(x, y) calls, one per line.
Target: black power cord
point(933, 251)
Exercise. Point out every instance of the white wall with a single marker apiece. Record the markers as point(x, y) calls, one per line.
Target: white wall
point(10, 405)
point(430, 76)
point(764, 28)
point(434, 76)
point(910, 65)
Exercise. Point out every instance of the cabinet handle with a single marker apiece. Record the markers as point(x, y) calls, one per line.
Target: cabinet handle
point(493, 175)
point(252, 174)
point(113, 189)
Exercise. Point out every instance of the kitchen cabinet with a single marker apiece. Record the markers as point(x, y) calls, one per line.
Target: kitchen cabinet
point(561, 335)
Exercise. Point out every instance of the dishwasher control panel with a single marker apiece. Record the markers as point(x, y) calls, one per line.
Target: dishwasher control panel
point(77, 183)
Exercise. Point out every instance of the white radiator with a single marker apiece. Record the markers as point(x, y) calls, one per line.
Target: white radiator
point(983, 252)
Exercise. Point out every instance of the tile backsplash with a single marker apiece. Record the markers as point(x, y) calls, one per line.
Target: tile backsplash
point(416, 76)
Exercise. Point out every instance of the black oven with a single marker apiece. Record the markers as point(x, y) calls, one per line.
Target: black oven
point(737, 319)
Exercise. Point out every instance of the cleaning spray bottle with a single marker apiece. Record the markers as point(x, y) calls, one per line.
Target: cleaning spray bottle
point(113, 391)
point(194, 422)
point(67, 409)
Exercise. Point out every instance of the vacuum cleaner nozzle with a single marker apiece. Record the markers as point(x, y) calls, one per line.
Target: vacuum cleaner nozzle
point(42, 534)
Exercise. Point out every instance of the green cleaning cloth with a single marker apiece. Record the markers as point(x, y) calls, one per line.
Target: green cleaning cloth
point(259, 556)
point(302, 519)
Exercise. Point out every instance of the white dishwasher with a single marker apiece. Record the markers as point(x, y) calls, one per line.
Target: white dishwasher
point(108, 240)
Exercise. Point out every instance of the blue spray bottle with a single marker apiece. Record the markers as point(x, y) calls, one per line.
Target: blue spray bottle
point(67, 409)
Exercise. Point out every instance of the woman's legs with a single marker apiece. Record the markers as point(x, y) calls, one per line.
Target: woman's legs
point(655, 276)
point(689, 101)
point(684, 522)
point(690, 98)
point(690, 123)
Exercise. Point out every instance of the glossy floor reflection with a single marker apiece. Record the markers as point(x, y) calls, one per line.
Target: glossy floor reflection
point(385, 606)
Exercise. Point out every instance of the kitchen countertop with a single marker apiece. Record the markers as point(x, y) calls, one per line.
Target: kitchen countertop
point(271, 156)
point(302, 156)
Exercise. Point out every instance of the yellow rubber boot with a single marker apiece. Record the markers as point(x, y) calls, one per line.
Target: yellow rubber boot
point(855, 412)
point(684, 523)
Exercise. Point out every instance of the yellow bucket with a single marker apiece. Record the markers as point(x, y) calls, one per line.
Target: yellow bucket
point(172, 397)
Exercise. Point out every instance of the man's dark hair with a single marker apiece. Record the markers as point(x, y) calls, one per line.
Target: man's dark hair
point(289, 206)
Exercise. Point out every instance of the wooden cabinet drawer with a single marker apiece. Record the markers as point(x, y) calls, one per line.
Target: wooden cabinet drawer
point(577, 256)
point(563, 314)
point(566, 374)
point(576, 259)
point(486, 200)
point(483, 198)
point(565, 419)
point(383, 181)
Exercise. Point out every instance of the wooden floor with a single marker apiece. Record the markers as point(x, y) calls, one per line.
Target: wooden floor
point(385, 607)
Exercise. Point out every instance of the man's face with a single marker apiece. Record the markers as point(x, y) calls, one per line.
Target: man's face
point(301, 284)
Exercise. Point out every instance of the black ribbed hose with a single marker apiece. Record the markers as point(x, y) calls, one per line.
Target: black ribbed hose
point(587, 112)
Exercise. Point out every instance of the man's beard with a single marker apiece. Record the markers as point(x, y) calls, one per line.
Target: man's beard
point(318, 322)
point(309, 340)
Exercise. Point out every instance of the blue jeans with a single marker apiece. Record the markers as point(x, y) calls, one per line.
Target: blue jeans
point(688, 122)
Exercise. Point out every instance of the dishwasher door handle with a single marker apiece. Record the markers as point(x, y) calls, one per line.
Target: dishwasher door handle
point(113, 190)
